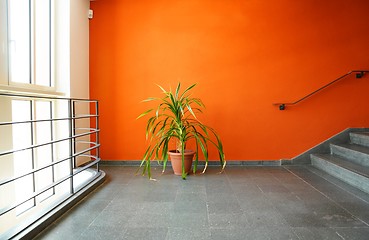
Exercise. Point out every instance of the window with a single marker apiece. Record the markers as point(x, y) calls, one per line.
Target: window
point(3, 44)
point(29, 38)
point(36, 133)
point(27, 65)
point(36, 166)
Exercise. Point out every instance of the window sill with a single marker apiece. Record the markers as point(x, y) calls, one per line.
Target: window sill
point(35, 90)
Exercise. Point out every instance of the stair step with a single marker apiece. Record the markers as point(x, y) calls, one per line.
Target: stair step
point(347, 171)
point(360, 138)
point(353, 152)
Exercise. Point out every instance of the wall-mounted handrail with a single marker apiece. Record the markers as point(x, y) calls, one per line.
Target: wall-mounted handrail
point(359, 74)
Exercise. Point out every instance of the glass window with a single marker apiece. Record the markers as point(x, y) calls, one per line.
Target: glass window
point(3, 44)
point(19, 41)
point(29, 40)
point(28, 134)
point(42, 58)
point(23, 160)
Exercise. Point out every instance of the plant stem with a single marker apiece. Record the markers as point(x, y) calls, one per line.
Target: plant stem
point(183, 164)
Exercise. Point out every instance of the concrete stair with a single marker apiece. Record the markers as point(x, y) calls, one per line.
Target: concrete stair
point(348, 162)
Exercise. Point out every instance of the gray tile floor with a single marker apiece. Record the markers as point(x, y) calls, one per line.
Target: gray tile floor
point(287, 202)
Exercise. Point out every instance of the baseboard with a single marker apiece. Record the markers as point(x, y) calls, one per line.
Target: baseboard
point(201, 163)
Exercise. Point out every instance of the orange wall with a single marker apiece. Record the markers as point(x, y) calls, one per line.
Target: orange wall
point(244, 55)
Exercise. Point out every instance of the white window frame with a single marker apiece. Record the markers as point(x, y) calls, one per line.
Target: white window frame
point(6, 85)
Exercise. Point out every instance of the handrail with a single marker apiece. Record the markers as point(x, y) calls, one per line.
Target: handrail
point(45, 96)
point(61, 159)
point(359, 74)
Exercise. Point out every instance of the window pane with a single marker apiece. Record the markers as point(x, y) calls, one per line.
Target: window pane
point(3, 44)
point(23, 160)
point(43, 154)
point(42, 42)
point(19, 41)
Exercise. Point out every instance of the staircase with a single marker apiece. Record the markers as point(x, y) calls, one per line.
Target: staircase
point(347, 161)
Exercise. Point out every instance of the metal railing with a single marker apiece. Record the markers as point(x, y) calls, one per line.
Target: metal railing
point(81, 139)
point(359, 74)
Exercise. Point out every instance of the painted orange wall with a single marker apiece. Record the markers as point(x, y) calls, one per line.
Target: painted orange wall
point(244, 55)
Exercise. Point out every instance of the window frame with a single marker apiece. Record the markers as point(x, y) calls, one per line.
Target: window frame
point(6, 85)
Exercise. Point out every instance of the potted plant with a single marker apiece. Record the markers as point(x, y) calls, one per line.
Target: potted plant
point(175, 119)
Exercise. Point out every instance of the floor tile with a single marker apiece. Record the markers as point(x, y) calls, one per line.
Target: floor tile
point(286, 202)
point(228, 220)
point(103, 233)
point(238, 234)
point(135, 233)
point(353, 233)
point(189, 220)
point(314, 233)
point(188, 233)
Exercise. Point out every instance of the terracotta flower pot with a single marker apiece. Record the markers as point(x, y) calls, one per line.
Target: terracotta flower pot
point(176, 160)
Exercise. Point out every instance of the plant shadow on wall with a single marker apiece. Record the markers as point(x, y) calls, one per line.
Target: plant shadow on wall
point(174, 119)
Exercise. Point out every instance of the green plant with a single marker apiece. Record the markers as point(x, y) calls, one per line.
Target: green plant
point(175, 118)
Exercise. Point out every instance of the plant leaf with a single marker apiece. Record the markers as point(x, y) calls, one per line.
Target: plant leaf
point(177, 89)
point(144, 113)
point(161, 88)
point(188, 89)
point(150, 99)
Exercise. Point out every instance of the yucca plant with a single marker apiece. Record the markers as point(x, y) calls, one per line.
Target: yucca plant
point(175, 119)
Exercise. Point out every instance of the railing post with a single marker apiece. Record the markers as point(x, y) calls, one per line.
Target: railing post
point(74, 133)
point(32, 105)
point(97, 133)
point(52, 106)
point(71, 144)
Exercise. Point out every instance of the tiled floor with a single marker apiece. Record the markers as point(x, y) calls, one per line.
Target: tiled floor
point(242, 203)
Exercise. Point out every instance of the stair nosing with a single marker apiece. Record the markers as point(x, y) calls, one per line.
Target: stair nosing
point(344, 163)
point(352, 152)
point(360, 138)
point(353, 147)
point(361, 134)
